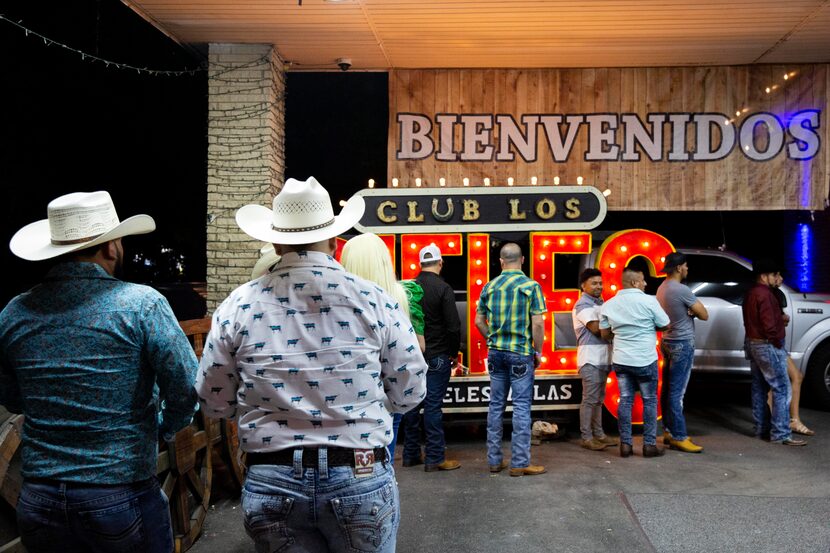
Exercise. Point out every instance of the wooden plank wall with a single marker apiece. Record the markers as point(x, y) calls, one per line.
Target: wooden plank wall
point(734, 183)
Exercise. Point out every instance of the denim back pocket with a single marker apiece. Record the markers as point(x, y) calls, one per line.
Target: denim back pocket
point(519, 369)
point(35, 520)
point(368, 520)
point(117, 527)
point(265, 520)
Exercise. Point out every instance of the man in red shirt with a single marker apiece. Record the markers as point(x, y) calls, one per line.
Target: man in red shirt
point(765, 335)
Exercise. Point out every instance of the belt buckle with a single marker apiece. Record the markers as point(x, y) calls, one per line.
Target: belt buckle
point(364, 462)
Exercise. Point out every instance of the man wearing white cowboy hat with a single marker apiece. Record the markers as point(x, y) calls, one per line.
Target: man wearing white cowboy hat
point(313, 362)
point(81, 356)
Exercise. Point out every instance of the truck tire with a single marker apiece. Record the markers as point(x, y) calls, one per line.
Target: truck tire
point(817, 379)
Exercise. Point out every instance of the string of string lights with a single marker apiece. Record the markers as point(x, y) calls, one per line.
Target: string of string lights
point(231, 142)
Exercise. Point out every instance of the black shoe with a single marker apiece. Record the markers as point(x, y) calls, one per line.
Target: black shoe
point(626, 450)
point(652, 451)
point(413, 462)
point(792, 442)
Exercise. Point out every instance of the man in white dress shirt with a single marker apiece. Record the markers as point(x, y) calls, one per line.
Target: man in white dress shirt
point(313, 362)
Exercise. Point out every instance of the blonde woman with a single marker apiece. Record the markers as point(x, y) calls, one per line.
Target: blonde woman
point(367, 256)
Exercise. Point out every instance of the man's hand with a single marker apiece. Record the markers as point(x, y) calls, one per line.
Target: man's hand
point(537, 359)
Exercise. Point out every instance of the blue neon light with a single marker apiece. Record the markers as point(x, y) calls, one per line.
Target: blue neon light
point(803, 250)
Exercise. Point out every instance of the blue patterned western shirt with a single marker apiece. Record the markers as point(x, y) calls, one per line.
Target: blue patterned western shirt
point(80, 356)
point(311, 355)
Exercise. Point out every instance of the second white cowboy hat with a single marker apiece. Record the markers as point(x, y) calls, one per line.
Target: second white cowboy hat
point(74, 222)
point(301, 214)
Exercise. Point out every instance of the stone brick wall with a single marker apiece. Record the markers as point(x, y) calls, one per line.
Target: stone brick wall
point(246, 155)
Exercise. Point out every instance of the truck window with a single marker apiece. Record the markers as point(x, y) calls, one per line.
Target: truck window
point(719, 277)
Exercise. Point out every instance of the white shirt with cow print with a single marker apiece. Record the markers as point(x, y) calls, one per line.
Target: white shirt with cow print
point(310, 355)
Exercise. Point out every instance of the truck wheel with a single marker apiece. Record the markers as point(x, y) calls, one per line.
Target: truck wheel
point(817, 379)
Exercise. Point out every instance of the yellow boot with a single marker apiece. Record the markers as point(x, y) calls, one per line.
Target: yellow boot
point(685, 445)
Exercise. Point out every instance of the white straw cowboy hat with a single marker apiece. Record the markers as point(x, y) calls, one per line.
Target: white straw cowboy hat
point(267, 259)
point(302, 214)
point(74, 222)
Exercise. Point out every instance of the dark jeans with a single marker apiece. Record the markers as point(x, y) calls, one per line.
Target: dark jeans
point(678, 356)
point(69, 518)
point(630, 380)
point(438, 378)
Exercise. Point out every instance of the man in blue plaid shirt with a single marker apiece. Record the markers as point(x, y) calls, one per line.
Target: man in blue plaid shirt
point(509, 315)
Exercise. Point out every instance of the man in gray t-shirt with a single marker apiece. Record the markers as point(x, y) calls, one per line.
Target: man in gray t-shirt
point(678, 347)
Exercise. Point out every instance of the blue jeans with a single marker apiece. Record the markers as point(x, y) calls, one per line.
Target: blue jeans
point(438, 378)
point(509, 372)
point(677, 368)
point(293, 509)
point(768, 366)
point(69, 517)
point(630, 379)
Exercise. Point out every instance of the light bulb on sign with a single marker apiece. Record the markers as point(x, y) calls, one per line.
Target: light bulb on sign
point(412, 266)
point(413, 246)
point(394, 183)
point(509, 181)
point(623, 248)
point(418, 182)
point(579, 180)
point(556, 181)
point(478, 243)
point(451, 244)
point(478, 281)
point(606, 192)
point(371, 183)
point(466, 181)
point(533, 181)
point(486, 181)
point(342, 203)
point(442, 182)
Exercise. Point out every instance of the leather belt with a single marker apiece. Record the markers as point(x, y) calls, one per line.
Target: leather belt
point(335, 457)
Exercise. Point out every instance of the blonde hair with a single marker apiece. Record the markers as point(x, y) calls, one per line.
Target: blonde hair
point(366, 256)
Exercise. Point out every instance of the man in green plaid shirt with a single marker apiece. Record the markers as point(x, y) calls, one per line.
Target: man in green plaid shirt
point(509, 315)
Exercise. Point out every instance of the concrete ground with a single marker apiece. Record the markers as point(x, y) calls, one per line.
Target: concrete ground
point(740, 495)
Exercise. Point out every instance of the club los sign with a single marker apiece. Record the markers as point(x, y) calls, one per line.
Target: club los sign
point(520, 209)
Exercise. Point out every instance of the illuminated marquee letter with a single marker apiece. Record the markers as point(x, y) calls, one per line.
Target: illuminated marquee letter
point(411, 245)
point(478, 273)
point(616, 252)
point(543, 248)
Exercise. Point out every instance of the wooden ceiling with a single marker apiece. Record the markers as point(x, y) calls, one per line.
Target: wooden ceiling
point(388, 34)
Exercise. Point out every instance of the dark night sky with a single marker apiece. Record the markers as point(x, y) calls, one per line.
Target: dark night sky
point(69, 125)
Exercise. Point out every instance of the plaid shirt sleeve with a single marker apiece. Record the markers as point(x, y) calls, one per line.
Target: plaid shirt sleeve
point(537, 301)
